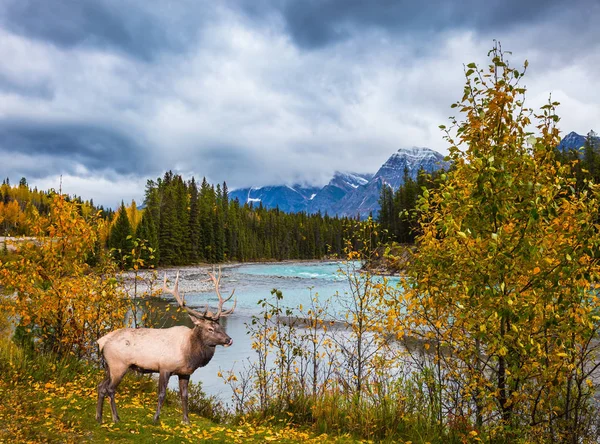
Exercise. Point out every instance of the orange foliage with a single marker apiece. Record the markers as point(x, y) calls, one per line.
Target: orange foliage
point(60, 301)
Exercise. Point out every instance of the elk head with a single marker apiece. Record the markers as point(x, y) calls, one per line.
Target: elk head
point(206, 322)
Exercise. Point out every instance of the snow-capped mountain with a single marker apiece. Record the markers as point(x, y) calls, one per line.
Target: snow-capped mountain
point(290, 199)
point(404, 163)
point(571, 141)
point(341, 184)
point(347, 194)
point(351, 194)
point(574, 141)
point(412, 160)
point(349, 181)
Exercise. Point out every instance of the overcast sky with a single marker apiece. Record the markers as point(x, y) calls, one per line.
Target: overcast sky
point(110, 93)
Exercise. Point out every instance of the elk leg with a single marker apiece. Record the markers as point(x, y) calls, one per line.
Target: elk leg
point(111, 388)
point(183, 392)
point(101, 394)
point(163, 379)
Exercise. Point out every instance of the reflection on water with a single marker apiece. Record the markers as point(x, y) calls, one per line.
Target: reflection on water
point(297, 281)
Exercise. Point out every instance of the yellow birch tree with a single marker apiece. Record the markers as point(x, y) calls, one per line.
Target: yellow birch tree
point(502, 286)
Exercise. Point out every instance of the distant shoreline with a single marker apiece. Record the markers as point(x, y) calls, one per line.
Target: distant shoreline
point(193, 278)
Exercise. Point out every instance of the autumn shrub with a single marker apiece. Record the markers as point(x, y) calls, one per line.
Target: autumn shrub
point(58, 300)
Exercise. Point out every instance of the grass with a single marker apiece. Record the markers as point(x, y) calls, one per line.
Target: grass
point(50, 400)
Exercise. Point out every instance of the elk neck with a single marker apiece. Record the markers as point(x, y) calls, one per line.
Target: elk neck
point(200, 354)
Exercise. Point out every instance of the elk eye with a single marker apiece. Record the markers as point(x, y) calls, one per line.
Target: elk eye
point(210, 329)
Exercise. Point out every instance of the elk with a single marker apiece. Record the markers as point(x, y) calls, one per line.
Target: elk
point(170, 351)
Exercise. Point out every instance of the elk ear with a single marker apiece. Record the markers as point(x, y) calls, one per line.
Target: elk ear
point(197, 321)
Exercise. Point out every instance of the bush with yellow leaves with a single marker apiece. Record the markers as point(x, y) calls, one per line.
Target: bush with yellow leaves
point(60, 302)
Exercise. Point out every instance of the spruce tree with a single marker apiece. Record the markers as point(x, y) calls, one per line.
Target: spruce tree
point(207, 204)
point(120, 239)
point(146, 231)
point(194, 222)
point(168, 228)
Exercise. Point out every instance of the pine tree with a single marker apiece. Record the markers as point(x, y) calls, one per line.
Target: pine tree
point(182, 214)
point(168, 230)
point(194, 222)
point(225, 221)
point(207, 203)
point(146, 231)
point(120, 239)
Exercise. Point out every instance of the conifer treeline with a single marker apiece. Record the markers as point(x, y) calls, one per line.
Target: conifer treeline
point(186, 223)
point(397, 207)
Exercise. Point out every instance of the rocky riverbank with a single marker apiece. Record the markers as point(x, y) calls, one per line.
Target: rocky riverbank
point(192, 279)
point(390, 260)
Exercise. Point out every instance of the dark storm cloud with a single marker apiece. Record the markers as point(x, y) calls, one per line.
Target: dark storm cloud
point(140, 29)
point(97, 149)
point(317, 23)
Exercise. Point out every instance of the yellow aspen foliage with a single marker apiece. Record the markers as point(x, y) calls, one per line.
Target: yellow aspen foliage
point(134, 215)
point(59, 301)
point(503, 282)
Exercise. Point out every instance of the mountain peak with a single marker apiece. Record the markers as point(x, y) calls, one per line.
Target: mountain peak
point(417, 152)
point(412, 160)
point(574, 141)
point(348, 178)
point(347, 193)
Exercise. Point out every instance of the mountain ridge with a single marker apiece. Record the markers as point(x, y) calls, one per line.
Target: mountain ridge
point(352, 194)
point(347, 193)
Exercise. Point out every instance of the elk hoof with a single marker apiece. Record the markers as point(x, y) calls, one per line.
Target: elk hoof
point(186, 421)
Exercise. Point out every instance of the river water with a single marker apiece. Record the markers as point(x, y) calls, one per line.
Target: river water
point(298, 281)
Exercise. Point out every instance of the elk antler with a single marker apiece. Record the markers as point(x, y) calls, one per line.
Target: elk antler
point(207, 314)
point(220, 313)
point(179, 298)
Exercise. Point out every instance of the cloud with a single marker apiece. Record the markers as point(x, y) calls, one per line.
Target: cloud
point(317, 23)
point(264, 92)
point(137, 28)
point(97, 149)
point(106, 191)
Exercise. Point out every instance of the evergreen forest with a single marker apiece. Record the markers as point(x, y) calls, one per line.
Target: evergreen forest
point(184, 222)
